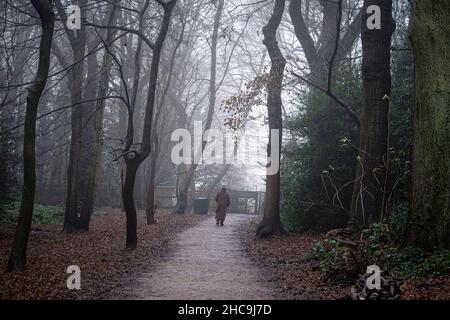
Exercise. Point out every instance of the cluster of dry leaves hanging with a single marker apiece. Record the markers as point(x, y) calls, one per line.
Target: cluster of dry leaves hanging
point(100, 253)
point(291, 269)
point(239, 106)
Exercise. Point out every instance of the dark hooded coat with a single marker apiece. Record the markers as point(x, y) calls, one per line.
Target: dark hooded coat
point(223, 201)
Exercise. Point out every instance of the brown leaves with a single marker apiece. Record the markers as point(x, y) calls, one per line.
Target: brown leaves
point(239, 106)
point(105, 263)
point(437, 288)
point(287, 263)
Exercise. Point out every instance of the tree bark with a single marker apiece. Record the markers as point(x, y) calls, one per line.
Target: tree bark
point(86, 121)
point(150, 205)
point(271, 223)
point(182, 190)
point(17, 259)
point(134, 158)
point(368, 201)
point(429, 226)
point(78, 45)
point(158, 127)
point(90, 159)
point(132, 164)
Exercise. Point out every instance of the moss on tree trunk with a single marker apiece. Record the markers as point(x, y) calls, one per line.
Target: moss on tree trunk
point(430, 195)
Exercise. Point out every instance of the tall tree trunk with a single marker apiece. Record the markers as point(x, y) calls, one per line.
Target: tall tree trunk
point(430, 195)
point(89, 143)
point(90, 159)
point(182, 190)
point(86, 128)
point(17, 259)
point(158, 127)
point(78, 44)
point(134, 158)
point(368, 200)
point(271, 223)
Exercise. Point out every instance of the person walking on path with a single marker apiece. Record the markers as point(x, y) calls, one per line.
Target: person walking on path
point(223, 201)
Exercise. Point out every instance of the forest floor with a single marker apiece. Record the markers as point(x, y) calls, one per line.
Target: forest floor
point(292, 269)
point(285, 261)
point(205, 262)
point(180, 257)
point(105, 264)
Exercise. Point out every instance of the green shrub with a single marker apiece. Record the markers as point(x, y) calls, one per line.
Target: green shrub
point(41, 215)
point(315, 163)
point(337, 261)
point(376, 241)
point(414, 262)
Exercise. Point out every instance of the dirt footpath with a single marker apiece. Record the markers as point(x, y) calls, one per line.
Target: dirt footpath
point(205, 262)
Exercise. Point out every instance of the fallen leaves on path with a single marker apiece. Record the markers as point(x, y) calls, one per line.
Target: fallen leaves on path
point(105, 264)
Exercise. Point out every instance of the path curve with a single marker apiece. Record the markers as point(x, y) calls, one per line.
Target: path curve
point(205, 262)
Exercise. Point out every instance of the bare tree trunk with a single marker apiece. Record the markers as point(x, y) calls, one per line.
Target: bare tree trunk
point(78, 44)
point(271, 223)
point(368, 201)
point(150, 205)
point(429, 225)
point(17, 259)
point(157, 127)
point(92, 149)
point(89, 144)
point(134, 158)
point(128, 202)
point(86, 121)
